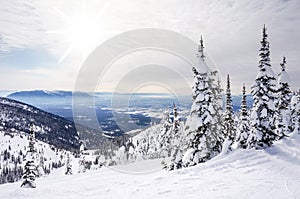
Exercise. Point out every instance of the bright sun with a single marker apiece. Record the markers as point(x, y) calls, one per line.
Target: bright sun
point(82, 32)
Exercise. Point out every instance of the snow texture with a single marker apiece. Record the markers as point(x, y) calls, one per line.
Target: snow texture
point(238, 174)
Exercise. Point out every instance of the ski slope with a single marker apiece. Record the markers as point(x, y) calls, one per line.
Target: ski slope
point(271, 173)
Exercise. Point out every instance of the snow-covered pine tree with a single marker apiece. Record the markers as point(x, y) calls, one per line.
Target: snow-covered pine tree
point(165, 136)
point(177, 141)
point(283, 111)
point(154, 144)
point(263, 91)
point(68, 166)
point(121, 155)
point(31, 143)
point(243, 129)
point(176, 134)
point(201, 49)
point(229, 128)
point(82, 163)
point(29, 175)
point(192, 118)
point(295, 112)
point(131, 154)
point(203, 126)
point(218, 128)
point(142, 148)
point(218, 92)
point(200, 58)
point(216, 88)
point(30, 169)
point(40, 165)
point(202, 137)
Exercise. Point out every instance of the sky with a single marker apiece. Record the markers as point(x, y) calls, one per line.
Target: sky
point(44, 44)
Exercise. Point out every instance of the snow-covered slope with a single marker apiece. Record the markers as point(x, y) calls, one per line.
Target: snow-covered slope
point(271, 173)
point(17, 117)
point(20, 117)
point(13, 149)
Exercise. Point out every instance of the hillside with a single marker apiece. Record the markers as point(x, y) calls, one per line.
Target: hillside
point(17, 117)
point(13, 148)
point(272, 173)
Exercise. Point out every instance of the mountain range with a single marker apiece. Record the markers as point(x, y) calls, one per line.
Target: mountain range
point(44, 98)
point(54, 120)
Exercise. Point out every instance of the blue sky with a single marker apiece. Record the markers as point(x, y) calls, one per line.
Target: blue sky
point(44, 43)
point(27, 58)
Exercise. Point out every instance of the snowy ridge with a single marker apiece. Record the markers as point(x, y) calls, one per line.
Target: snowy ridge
point(16, 104)
point(19, 117)
point(271, 173)
point(16, 117)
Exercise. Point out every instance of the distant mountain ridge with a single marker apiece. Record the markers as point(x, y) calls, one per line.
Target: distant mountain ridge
point(62, 93)
point(40, 93)
point(45, 93)
point(34, 97)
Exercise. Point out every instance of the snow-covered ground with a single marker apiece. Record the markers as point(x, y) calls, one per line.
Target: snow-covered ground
point(271, 173)
point(19, 141)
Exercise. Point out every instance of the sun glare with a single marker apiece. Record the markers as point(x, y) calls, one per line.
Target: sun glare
point(82, 32)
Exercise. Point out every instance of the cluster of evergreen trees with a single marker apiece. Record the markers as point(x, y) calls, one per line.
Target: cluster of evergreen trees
point(271, 115)
point(8, 173)
point(15, 164)
point(275, 113)
point(34, 166)
point(210, 130)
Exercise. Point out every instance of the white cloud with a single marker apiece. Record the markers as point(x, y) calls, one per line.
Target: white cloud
point(232, 29)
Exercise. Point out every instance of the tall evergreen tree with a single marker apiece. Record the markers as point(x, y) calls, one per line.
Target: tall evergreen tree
point(31, 148)
point(68, 166)
point(203, 125)
point(154, 143)
point(243, 129)
point(283, 112)
point(229, 129)
point(217, 104)
point(165, 136)
point(30, 169)
point(40, 165)
point(177, 141)
point(201, 49)
point(202, 136)
point(200, 60)
point(263, 91)
point(82, 164)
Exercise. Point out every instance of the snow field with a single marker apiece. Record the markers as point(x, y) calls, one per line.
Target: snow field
point(271, 173)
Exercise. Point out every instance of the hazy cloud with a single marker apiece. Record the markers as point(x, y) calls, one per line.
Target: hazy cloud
point(231, 29)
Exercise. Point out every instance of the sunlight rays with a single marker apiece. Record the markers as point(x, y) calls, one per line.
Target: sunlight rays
point(82, 31)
